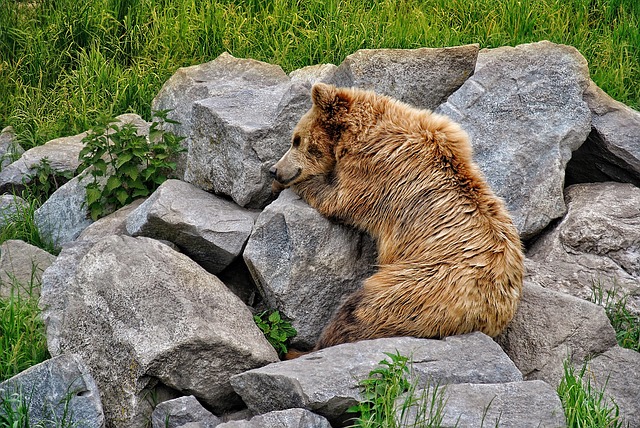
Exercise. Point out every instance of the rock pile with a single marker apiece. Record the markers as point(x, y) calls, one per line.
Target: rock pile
point(153, 304)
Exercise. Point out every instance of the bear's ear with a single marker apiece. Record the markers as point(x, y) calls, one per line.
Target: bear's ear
point(329, 99)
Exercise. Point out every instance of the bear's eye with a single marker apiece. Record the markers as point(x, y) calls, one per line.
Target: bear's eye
point(296, 141)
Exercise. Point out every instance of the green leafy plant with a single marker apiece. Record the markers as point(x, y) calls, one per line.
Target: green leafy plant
point(625, 323)
point(584, 404)
point(277, 330)
point(44, 181)
point(390, 400)
point(125, 165)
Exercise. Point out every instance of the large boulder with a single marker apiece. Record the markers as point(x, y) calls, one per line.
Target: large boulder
point(326, 381)
point(57, 392)
point(596, 245)
point(237, 115)
point(209, 229)
point(550, 327)
point(148, 320)
point(304, 265)
point(525, 104)
point(422, 77)
point(112, 224)
point(612, 151)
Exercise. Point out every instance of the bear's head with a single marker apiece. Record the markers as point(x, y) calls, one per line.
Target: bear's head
point(314, 139)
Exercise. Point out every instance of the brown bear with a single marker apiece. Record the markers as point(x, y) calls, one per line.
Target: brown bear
point(450, 259)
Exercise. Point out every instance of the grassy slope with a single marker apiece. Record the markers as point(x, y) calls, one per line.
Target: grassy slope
point(64, 62)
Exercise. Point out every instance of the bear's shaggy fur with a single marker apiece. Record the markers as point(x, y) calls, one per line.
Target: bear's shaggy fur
point(450, 259)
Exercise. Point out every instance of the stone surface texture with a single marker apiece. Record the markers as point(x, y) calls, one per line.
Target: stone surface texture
point(326, 381)
point(210, 230)
point(22, 264)
point(521, 104)
point(290, 418)
point(422, 77)
point(146, 318)
point(304, 264)
point(597, 244)
point(59, 389)
point(181, 411)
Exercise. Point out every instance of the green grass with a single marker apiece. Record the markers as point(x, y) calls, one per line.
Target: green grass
point(390, 400)
point(63, 63)
point(625, 323)
point(22, 334)
point(584, 404)
point(22, 225)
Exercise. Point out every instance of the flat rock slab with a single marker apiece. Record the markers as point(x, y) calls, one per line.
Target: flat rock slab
point(550, 326)
point(22, 264)
point(304, 265)
point(422, 77)
point(145, 317)
point(597, 244)
point(326, 381)
point(532, 404)
point(209, 229)
point(524, 104)
point(290, 418)
point(59, 386)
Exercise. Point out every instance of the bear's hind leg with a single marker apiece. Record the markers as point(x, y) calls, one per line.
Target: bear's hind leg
point(344, 326)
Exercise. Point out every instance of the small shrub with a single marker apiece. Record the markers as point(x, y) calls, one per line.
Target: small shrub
point(44, 181)
point(585, 405)
point(390, 400)
point(124, 165)
point(275, 329)
point(625, 323)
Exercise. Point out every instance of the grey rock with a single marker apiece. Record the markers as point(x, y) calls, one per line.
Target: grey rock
point(11, 206)
point(304, 265)
point(422, 77)
point(326, 381)
point(237, 115)
point(147, 318)
point(597, 244)
point(65, 214)
point(533, 404)
point(10, 150)
point(113, 224)
point(181, 411)
point(524, 104)
point(311, 74)
point(616, 373)
point(612, 151)
point(59, 386)
point(290, 418)
point(210, 230)
point(550, 327)
point(21, 265)
point(239, 134)
point(61, 153)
